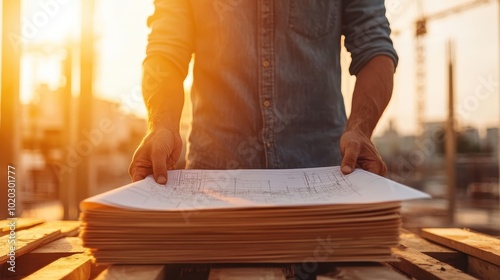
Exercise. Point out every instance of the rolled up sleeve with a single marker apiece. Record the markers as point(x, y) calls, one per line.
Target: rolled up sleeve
point(367, 32)
point(172, 32)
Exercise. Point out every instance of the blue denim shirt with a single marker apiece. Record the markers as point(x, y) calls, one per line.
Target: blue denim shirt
point(266, 90)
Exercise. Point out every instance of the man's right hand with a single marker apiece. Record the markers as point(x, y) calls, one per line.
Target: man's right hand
point(158, 152)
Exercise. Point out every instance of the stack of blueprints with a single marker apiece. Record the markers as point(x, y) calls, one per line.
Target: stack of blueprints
point(247, 216)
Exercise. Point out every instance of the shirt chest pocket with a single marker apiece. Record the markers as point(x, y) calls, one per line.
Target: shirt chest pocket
point(313, 18)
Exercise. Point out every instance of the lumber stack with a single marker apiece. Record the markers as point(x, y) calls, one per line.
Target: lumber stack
point(44, 250)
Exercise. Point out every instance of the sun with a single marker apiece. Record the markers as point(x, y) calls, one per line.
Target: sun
point(46, 29)
point(50, 21)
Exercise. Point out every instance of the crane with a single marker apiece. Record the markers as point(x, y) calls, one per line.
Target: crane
point(420, 32)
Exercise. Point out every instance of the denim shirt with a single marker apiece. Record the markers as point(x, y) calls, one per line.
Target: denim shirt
point(266, 90)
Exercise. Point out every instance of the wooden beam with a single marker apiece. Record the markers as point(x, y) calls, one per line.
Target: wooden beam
point(27, 241)
point(43, 256)
point(9, 103)
point(85, 102)
point(67, 180)
point(30, 239)
point(414, 241)
point(498, 123)
point(475, 244)
point(74, 267)
point(451, 140)
point(482, 269)
point(66, 245)
point(421, 266)
point(21, 223)
point(67, 228)
point(452, 257)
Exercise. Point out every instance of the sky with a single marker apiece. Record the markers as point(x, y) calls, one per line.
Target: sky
point(475, 35)
point(122, 36)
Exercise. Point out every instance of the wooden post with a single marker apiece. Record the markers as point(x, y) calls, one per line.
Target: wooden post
point(67, 181)
point(85, 115)
point(10, 116)
point(451, 145)
point(498, 91)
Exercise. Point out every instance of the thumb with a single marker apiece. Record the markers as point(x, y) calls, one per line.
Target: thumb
point(351, 153)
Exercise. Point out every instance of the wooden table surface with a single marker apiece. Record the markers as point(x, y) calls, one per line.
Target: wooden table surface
point(52, 250)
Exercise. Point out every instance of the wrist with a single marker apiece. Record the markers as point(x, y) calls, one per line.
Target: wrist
point(158, 120)
point(359, 127)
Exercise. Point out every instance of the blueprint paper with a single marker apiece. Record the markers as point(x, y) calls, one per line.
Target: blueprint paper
point(212, 189)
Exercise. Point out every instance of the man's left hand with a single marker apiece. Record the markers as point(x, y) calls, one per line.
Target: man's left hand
point(358, 151)
point(371, 95)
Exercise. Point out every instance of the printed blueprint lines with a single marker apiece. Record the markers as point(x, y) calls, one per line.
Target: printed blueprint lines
point(327, 181)
point(211, 189)
point(198, 189)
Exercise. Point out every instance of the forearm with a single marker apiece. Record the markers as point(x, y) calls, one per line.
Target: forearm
point(169, 50)
point(163, 92)
point(372, 93)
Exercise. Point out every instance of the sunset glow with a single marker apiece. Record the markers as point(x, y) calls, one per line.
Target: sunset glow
point(74, 123)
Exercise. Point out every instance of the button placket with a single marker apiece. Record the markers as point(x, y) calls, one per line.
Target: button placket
point(266, 81)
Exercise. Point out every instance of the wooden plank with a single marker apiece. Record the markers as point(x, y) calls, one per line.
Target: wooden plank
point(452, 257)
point(422, 266)
point(247, 273)
point(132, 272)
point(67, 228)
point(414, 241)
point(482, 269)
point(65, 245)
point(74, 267)
point(475, 244)
point(21, 223)
point(49, 253)
point(28, 240)
point(360, 272)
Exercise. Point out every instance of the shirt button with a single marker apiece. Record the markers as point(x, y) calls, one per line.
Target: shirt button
point(268, 144)
point(267, 103)
point(265, 63)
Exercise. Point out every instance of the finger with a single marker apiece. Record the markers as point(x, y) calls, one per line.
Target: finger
point(139, 159)
point(351, 154)
point(376, 166)
point(132, 166)
point(131, 171)
point(137, 177)
point(139, 173)
point(371, 166)
point(384, 169)
point(138, 170)
point(381, 168)
point(160, 153)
